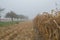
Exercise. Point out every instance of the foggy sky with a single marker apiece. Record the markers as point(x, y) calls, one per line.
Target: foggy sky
point(29, 8)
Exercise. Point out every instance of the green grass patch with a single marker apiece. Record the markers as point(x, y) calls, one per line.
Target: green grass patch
point(3, 24)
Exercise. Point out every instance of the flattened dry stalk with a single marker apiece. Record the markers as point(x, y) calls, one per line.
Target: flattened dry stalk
point(56, 24)
point(56, 31)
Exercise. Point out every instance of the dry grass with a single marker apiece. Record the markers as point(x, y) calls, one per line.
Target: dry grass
point(48, 26)
point(21, 31)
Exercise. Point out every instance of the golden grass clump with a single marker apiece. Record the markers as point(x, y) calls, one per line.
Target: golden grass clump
point(48, 26)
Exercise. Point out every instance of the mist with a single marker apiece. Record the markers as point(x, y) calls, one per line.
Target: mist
point(29, 8)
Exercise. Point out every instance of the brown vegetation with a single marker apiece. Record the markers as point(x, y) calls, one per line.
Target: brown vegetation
point(48, 26)
point(21, 31)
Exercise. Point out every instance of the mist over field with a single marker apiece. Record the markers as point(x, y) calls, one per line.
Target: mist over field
point(29, 8)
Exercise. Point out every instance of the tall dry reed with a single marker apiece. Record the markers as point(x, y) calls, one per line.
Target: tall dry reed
point(48, 26)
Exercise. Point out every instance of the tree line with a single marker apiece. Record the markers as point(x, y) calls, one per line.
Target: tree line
point(13, 15)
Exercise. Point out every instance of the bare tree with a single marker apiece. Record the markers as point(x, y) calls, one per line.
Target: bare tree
point(11, 15)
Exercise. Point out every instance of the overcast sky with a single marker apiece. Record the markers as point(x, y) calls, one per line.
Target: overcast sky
point(28, 7)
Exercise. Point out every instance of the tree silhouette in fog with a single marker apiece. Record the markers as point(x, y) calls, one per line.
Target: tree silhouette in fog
point(11, 15)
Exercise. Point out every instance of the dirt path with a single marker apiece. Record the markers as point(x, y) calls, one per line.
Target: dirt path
point(21, 31)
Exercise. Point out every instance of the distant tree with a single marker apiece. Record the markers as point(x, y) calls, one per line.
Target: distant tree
point(1, 9)
point(52, 11)
point(17, 17)
point(26, 17)
point(0, 12)
point(11, 15)
point(23, 17)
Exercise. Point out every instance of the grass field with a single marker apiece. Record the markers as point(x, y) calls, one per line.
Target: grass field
point(2, 24)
